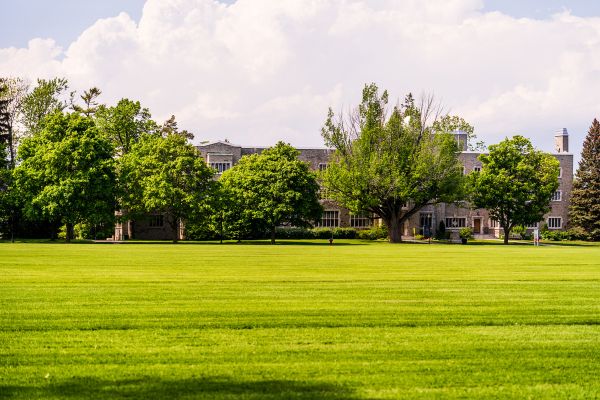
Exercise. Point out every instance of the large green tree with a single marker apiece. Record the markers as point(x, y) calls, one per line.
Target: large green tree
point(390, 165)
point(66, 172)
point(585, 197)
point(515, 184)
point(271, 189)
point(166, 174)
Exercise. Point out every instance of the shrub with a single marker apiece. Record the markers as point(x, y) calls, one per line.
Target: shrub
point(322, 233)
point(578, 233)
point(294, 233)
point(519, 230)
point(465, 233)
point(555, 235)
point(379, 232)
point(441, 233)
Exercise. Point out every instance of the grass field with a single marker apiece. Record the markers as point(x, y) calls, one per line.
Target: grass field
point(355, 320)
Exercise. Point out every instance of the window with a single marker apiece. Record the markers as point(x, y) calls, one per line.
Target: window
point(330, 219)
point(477, 168)
point(425, 223)
point(532, 226)
point(554, 222)
point(560, 172)
point(557, 196)
point(220, 166)
point(456, 222)
point(322, 166)
point(156, 221)
point(360, 220)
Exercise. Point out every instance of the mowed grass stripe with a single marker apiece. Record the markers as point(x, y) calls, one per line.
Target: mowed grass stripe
point(354, 320)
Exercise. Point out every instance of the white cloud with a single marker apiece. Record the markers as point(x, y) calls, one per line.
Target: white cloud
point(260, 70)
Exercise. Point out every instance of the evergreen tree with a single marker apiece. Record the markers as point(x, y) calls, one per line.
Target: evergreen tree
point(585, 197)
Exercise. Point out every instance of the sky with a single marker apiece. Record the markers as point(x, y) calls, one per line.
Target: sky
point(258, 71)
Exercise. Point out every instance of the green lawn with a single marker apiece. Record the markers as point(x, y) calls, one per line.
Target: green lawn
point(356, 320)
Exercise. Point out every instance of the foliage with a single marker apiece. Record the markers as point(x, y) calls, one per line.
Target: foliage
point(453, 123)
point(465, 233)
point(166, 175)
point(43, 100)
point(576, 233)
point(374, 233)
point(585, 196)
point(390, 166)
point(66, 172)
point(515, 184)
point(270, 189)
point(124, 124)
point(519, 230)
point(12, 93)
point(441, 233)
point(89, 100)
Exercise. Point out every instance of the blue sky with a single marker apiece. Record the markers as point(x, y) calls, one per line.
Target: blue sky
point(64, 20)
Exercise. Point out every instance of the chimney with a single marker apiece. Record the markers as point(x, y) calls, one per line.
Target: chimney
point(561, 141)
point(461, 139)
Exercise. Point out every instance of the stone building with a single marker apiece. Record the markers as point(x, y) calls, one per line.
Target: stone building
point(222, 155)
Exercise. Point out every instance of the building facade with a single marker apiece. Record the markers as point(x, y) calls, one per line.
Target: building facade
point(223, 155)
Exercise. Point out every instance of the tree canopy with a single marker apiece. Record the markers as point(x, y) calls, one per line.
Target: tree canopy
point(66, 173)
point(124, 124)
point(391, 165)
point(585, 197)
point(271, 189)
point(166, 175)
point(43, 100)
point(515, 184)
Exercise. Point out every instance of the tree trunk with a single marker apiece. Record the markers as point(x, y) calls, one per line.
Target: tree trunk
point(69, 234)
point(273, 234)
point(394, 230)
point(11, 147)
point(506, 234)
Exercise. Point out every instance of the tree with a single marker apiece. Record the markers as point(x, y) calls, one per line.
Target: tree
point(124, 124)
point(66, 173)
point(515, 184)
point(43, 100)
point(166, 175)
point(89, 100)
point(452, 123)
point(390, 166)
point(169, 127)
point(585, 197)
point(272, 189)
point(12, 93)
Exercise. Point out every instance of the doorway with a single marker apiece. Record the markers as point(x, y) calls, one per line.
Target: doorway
point(477, 225)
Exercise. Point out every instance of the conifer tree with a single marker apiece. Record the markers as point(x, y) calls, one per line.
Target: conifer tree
point(585, 197)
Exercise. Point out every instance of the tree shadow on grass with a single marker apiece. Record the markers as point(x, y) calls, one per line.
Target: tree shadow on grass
point(197, 388)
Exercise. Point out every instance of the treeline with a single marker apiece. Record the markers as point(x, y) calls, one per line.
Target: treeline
point(70, 163)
